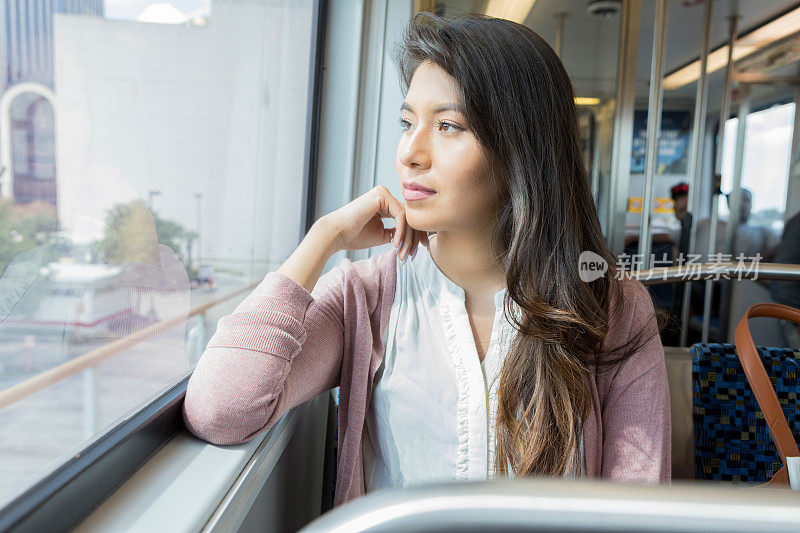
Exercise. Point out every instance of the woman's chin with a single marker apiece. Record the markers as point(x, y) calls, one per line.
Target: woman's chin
point(418, 223)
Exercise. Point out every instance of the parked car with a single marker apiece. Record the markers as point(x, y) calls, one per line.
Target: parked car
point(205, 276)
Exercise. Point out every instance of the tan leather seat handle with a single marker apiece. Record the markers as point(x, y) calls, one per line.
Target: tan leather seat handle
point(759, 380)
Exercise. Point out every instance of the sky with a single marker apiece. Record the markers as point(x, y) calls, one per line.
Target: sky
point(165, 12)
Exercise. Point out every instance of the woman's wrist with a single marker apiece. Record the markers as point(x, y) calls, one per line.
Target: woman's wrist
point(324, 236)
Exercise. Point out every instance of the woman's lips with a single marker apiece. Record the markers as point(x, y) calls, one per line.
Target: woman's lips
point(415, 194)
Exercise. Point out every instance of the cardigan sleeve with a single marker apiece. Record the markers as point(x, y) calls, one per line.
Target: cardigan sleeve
point(637, 434)
point(280, 347)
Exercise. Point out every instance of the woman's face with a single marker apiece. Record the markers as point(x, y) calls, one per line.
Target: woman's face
point(440, 154)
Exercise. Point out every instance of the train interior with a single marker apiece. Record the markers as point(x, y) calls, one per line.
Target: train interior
point(157, 159)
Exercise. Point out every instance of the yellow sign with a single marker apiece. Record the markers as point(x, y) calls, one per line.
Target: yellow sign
point(635, 204)
point(664, 206)
point(660, 205)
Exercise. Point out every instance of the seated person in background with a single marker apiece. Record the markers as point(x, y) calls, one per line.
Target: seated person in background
point(664, 249)
point(750, 239)
point(680, 200)
point(680, 253)
point(788, 292)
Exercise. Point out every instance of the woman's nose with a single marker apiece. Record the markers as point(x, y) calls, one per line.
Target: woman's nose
point(417, 150)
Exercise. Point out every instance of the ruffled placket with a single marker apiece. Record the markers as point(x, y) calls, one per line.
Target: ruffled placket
point(476, 405)
point(456, 323)
point(493, 363)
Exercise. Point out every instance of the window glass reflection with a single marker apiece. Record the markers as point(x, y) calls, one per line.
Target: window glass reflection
point(151, 165)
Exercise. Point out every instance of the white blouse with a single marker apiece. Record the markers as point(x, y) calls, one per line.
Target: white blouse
point(432, 414)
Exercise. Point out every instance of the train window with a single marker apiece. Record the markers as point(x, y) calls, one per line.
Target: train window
point(154, 168)
point(765, 171)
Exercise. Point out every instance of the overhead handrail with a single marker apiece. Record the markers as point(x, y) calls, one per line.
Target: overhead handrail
point(45, 379)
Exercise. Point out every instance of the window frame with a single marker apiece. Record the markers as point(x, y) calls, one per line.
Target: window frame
point(72, 491)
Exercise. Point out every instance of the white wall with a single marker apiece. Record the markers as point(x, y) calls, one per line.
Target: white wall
point(218, 109)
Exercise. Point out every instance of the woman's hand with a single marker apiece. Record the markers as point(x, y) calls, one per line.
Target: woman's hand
point(359, 224)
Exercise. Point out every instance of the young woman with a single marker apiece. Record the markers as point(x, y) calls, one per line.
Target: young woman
point(483, 352)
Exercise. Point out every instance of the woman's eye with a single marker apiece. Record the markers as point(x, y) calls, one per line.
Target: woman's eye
point(446, 127)
point(452, 127)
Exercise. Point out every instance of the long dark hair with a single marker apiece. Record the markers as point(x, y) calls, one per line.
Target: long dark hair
point(519, 104)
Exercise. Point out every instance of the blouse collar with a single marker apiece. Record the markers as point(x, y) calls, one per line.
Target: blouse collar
point(425, 265)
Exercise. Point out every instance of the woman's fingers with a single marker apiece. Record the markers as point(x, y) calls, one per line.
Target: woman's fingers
point(402, 229)
point(408, 240)
point(390, 207)
point(405, 238)
point(416, 242)
point(423, 239)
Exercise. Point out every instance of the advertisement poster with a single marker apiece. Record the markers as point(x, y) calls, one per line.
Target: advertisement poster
point(673, 148)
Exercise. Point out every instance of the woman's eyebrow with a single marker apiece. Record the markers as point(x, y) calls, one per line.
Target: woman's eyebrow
point(437, 109)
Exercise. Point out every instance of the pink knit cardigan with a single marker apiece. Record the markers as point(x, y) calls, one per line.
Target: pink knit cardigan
point(283, 346)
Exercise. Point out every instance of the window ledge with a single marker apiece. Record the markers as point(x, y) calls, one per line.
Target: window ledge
point(192, 484)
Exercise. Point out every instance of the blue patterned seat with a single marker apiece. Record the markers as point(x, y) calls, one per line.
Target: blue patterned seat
point(732, 440)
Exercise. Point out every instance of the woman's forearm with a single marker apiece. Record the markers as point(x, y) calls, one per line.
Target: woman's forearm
point(307, 262)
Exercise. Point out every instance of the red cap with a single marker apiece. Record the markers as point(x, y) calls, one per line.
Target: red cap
point(680, 188)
